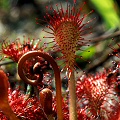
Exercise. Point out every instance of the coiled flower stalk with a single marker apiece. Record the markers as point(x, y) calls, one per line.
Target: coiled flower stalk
point(36, 54)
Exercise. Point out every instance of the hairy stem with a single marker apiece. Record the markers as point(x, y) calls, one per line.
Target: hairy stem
point(35, 82)
point(72, 96)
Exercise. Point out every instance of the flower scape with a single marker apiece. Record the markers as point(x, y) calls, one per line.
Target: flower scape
point(88, 97)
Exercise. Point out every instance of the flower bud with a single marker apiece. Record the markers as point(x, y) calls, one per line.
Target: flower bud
point(46, 100)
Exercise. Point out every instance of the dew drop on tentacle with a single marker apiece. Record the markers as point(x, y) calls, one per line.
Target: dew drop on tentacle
point(116, 49)
point(15, 49)
point(67, 30)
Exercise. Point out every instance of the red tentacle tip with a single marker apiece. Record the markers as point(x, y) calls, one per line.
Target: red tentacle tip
point(37, 18)
point(84, 3)
point(74, 1)
point(92, 11)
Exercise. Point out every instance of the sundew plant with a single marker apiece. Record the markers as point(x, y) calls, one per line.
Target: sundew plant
point(43, 65)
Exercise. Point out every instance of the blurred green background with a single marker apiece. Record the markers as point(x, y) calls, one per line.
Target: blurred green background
point(17, 18)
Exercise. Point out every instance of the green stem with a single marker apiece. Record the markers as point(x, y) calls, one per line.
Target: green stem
point(72, 96)
point(35, 82)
